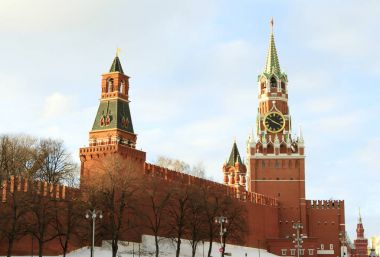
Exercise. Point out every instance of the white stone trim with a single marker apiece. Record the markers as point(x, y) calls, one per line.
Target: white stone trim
point(325, 251)
point(261, 156)
point(272, 180)
point(114, 98)
point(275, 98)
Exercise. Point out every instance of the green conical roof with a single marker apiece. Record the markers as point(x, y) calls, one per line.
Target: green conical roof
point(116, 66)
point(272, 64)
point(234, 156)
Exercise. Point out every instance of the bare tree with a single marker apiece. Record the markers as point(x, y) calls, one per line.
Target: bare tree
point(212, 201)
point(197, 170)
point(16, 155)
point(42, 218)
point(117, 184)
point(197, 219)
point(53, 162)
point(12, 222)
point(155, 209)
point(235, 212)
point(177, 213)
point(173, 164)
point(68, 220)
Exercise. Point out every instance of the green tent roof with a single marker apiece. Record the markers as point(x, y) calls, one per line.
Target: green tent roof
point(113, 114)
point(116, 66)
point(272, 64)
point(234, 156)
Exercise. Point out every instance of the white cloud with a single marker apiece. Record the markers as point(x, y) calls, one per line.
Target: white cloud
point(344, 30)
point(57, 104)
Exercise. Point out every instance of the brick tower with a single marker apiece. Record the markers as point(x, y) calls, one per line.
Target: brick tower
point(235, 172)
point(112, 131)
point(361, 243)
point(276, 161)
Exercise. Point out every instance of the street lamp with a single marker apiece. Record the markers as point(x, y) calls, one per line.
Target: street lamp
point(297, 238)
point(93, 214)
point(221, 220)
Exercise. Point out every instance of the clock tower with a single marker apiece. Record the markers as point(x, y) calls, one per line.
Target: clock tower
point(276, 161)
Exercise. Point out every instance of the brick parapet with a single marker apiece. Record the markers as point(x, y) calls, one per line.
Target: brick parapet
point(104, 149)
point(21, 184)
point(175, 176)
point(325, 204)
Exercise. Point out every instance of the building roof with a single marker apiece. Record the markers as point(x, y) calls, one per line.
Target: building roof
point(116, 65)
point(234, 156)
point(113, 114)
point(272, 64)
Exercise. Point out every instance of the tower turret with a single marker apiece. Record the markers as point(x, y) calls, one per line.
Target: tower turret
point(361, 243)
point(112, 131)
point(234, 170)
point(113, 122)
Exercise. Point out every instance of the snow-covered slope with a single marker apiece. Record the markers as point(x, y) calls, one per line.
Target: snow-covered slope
point(167, 248)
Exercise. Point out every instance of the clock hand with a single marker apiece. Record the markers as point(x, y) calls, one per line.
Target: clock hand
point(274, 121)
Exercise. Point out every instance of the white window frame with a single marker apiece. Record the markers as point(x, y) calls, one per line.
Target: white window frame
point(283, 252)
point(311, 251)
point(322, 247)
point(331, 246)
point(292, 252)
point(302, 251)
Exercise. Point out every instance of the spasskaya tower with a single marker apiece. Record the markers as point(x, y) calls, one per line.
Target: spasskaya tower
point(276, 161)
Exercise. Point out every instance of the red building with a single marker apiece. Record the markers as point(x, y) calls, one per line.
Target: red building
point(270, 185)
point(360, 243)
point(276, 168)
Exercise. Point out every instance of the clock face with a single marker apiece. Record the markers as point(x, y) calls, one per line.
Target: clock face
point(274, 122)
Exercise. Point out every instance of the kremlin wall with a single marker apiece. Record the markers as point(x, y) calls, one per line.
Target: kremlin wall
point(269, 186)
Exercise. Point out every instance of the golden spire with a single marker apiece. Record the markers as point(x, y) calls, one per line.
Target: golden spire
point(118, 50)
point(271, 24)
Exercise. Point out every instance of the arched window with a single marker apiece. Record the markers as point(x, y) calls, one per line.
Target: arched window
point(273, 82)
point(283, 85)
point(122, 87)
point(109, 85)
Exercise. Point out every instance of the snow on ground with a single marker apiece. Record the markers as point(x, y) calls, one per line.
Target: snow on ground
point(167, 249)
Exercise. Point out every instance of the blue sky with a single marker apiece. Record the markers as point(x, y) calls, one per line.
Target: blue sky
point(193, 68)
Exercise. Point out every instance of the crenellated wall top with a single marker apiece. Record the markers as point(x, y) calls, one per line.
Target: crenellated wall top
point(175, 176)
point(21, 184)
point(325, 204)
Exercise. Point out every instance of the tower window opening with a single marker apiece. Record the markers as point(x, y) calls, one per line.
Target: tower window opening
point(109, 85)
point(122, 87)
point(273, 82)
point(283, 85)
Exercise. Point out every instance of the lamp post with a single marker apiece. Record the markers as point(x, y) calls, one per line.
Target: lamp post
point(221, 220)
point(93, 214)
point(297, 237)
